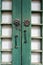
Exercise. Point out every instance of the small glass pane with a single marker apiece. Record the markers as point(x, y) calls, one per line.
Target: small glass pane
point(6, 44)
point(35, 5)
point(35, 44)
point(6, 17)
point(6, 5)
point(35, 18)
point(35, 31)
point(6, 57)
point(35, 58)
point(7, 31)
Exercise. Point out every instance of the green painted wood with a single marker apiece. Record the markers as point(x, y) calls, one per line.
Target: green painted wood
point(26, 47)
point(0, 34)
point(42, 31)
point(16, 14)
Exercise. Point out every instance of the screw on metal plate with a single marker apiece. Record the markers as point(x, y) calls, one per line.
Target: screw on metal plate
point(17, 25)
point(26, 23)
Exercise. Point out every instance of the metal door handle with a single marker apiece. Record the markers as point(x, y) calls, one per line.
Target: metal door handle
point(25, 40)
point(16, 41)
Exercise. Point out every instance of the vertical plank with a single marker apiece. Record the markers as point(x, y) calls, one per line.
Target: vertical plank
point(0, 35)
point(26, 46)
point(42, 31)
point(16, 15)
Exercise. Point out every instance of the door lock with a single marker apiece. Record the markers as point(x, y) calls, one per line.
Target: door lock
point(26, 23)
point(17, 22)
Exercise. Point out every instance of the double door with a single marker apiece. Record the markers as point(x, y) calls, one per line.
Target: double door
point(21, 29)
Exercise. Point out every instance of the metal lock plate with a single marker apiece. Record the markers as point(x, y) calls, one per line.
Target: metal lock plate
point(27, 23)
point(17, 22)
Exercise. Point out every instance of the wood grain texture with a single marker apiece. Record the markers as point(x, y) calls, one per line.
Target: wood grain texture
point(26, 47)
point(16, 15)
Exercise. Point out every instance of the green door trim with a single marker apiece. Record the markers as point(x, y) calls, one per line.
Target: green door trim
point(42, 29)
point(0, 32)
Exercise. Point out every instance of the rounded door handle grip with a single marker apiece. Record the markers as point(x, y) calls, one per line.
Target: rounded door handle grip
point(25, 39)
point(16, 37)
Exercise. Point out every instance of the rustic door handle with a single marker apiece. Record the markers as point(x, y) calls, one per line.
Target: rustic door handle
point(16, 37)
point(25, 39)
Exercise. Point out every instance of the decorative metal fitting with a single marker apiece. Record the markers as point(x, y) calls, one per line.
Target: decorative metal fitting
point(17, 22)
point(27, 23)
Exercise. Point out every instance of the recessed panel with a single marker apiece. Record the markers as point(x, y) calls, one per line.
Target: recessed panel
point(6, 44)
point(6, 57)
point(35, 18)
point(35, 58)
point(35, 31)
point(6, 31)
point(6, 17)
point(6, 5)
point(35, 44)
point(35, 5)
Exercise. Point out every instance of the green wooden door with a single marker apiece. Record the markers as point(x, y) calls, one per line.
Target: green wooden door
point(21, 28)
point(21, 32)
